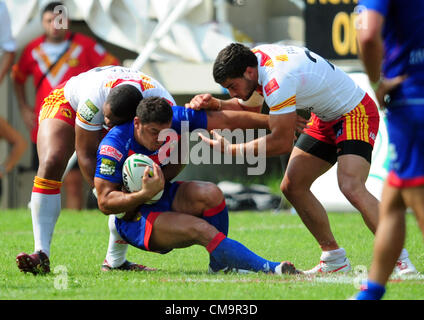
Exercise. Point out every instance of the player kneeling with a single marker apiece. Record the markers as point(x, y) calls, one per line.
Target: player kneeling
point(187, 213)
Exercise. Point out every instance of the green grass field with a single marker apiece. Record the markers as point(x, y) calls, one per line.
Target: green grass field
point(80, 243)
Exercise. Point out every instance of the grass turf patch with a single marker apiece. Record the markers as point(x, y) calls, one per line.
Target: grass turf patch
point(80, 242)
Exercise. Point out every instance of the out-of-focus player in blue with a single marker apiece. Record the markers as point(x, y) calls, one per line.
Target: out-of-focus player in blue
point(188, 213)
point(391, 41)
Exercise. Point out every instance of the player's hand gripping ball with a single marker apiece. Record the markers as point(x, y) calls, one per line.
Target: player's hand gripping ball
point(133, 171)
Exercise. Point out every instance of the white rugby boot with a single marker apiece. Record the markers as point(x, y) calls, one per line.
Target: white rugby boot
point(403, 265)
point(334, 261)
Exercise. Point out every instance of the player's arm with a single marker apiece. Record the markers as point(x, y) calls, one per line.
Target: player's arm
point(112, 200)
point(371, 47)
point(86, 143)
point(18, 143)
point(230, 119)
point(19, 79)
point(8, 44)
point(278, 142)
point(208, 102)
point(371, 52)
point(171, 170)
point(6, 63)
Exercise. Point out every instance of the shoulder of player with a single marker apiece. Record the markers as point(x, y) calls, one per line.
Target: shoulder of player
point(83, 39)
point(277, 80)
point(122, 132)
point(115, 143)
point(34, 43)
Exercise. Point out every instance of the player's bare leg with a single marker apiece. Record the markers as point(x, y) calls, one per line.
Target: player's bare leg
point(352, 173)
point(302, 170)
point(195, 197)
point(414, 198)
point(55, 144)
point(390, 235)
point(177, 230)
point(73, 183)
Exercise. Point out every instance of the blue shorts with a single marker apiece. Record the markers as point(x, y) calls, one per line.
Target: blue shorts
point(137, 233)
point(405, 126)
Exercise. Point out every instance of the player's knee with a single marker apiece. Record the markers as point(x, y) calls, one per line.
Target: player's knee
point(211, 195)
point(201, 232)
point(351, 188)
point(289, 188)
point(52, 161)
point(73, 181)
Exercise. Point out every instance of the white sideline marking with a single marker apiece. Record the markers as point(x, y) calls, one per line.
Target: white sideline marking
point(268, 227)
point(335, 279)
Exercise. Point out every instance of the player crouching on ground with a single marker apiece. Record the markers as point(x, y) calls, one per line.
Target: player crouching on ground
point(188, 213)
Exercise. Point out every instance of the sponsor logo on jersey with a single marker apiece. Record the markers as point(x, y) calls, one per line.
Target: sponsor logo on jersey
point(73, 62)
point(145, 78)
point(146, 86)
point(271, 87)
point(338, 129)
point(111, 152)
point(282, 57)
point(107, 167)
point(88, 110)
point(66, 113)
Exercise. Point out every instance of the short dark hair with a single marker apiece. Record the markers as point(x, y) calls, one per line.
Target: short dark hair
point(50, 7)
point(232, 62)
point(123, 101)
point(154, 109)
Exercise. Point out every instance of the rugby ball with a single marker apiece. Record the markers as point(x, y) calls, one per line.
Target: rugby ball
point(133, 171)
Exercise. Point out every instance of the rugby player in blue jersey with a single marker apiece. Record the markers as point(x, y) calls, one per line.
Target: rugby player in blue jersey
point(188, 213)
point(391, 43)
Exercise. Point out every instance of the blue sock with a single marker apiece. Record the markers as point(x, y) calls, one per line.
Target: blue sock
point(234, 255)
point(371, 291)
point(218, 217)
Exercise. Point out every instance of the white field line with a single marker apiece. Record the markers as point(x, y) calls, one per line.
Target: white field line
point(333, 279)
point(267, 227)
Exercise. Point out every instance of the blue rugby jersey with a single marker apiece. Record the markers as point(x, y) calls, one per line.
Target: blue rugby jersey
point(403, 35)
point(120, 143)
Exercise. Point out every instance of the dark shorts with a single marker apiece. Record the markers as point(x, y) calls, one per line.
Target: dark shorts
point(329, 153)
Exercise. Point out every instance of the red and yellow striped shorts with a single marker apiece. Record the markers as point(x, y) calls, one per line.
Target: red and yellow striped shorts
point(359, 124)
point(56, 106)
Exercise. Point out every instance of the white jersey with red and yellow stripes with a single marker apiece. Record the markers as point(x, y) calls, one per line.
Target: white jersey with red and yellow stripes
point(292, 77)
point(88, 91)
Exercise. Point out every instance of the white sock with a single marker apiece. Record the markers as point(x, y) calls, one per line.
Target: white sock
point(403, 254)
point(117, 248)
point(45, 210)
point(335, 256)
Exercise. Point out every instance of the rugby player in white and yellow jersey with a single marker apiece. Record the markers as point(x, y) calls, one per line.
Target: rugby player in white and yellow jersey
point(342, 128)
